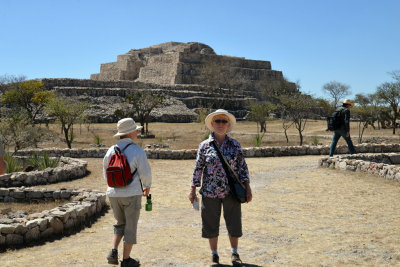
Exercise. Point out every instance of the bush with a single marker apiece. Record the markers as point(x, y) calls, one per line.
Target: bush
point(42, 162)
point(315, 140)
point(257, 140)
point(97, 140)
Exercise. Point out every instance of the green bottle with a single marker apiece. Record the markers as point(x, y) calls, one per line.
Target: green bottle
point(149, 204)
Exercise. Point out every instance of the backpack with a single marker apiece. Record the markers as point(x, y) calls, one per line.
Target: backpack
point(118, 171)
point(335, 120)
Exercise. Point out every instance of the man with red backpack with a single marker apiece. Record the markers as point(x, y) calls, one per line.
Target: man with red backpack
point(125, 190)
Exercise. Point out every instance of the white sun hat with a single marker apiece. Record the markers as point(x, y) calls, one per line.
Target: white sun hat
point(126, 126)
point(209, 119)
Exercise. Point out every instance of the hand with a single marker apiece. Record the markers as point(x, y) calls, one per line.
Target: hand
point(146, 191)
point(192, 195)
point(249, 195)
point(347, 134)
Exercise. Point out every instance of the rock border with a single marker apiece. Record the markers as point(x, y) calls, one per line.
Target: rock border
point(268, 151)
point(381, 165)
point(68, 169)
point(85, 207)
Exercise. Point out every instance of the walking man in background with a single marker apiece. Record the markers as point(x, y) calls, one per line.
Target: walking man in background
point(344, 129)
point(126, 201)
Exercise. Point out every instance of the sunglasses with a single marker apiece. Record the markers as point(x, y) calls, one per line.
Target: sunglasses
point(221, 121)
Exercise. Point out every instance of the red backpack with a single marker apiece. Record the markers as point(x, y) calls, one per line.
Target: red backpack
point(118, 171)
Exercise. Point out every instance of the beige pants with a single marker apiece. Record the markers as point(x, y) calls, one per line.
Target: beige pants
point(126, 211)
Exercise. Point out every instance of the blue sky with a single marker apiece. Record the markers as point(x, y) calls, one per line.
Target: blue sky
point(353, 42)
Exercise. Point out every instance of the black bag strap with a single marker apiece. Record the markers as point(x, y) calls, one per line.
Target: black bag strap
point(227, 167)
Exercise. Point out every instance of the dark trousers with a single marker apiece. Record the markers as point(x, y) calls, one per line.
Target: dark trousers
point(336, 136)
point(211, 214)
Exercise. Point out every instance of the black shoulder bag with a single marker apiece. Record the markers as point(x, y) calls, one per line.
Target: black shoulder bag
point(238, 190)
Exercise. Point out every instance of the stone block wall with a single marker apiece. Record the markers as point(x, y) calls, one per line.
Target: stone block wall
point(273, 151)
point(23, 229)
point(382, 165)
point(68, 169)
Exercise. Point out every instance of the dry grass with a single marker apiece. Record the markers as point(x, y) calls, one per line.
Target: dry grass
point(301, 215)
point(189, 135)
point(30, 207)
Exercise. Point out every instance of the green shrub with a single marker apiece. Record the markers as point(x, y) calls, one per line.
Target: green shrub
point(42, 162)
point(97, 140)
point(13, 164)
point(257, 140)
point(315, 140)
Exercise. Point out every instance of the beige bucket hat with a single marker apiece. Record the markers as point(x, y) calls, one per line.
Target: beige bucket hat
point(348, 102)
point(210, 118)
point(126, 126)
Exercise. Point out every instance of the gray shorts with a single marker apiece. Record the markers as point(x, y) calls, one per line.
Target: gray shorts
point(126, 211)
point(211, 214)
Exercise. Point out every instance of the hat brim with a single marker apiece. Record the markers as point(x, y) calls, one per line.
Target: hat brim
point(137, 128)
point(351, 104)
point(209, 119)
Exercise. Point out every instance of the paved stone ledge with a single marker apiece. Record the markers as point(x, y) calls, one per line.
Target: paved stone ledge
point(272, 151)
point(68, 169)
point(22, 229)
point(382, 165)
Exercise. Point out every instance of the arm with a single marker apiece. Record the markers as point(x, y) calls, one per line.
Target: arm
point(144, 172)
point(197, 173)
point(106, 159)
point(243, 172)
point(347, 121)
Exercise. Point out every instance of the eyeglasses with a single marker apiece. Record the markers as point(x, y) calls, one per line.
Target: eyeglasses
point(221, 121)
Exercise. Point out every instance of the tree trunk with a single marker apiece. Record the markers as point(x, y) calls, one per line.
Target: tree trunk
point(287, 138)
point(301, 137)
point(394, 126)
point(66, 134)
point(263, 127)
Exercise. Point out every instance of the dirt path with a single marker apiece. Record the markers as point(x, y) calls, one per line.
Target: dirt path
point(301, 216)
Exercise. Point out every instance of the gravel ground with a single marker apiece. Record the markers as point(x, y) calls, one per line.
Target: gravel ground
point(301, 215)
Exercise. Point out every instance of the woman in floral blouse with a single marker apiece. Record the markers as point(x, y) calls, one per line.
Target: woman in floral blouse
point(215, 189)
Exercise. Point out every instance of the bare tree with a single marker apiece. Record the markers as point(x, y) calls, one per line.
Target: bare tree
point(141, 103)
point(297, 109)
point(363, 112)
point(389, 92)
point(336, 91)
point(260, 114)
point(67, 114)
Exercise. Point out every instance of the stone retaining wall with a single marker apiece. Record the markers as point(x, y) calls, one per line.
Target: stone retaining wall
point(68, 169)
point(22, 229)
point(248, 152)
point(381, 164)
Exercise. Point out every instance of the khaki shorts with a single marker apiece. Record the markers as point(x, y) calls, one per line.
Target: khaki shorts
point(211, 214)
point(126, 211)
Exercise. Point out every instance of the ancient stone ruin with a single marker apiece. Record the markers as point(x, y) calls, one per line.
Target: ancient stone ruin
point(190, 63)
point(190, 75)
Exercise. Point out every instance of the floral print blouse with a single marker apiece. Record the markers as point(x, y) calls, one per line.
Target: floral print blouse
point(215, 182)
